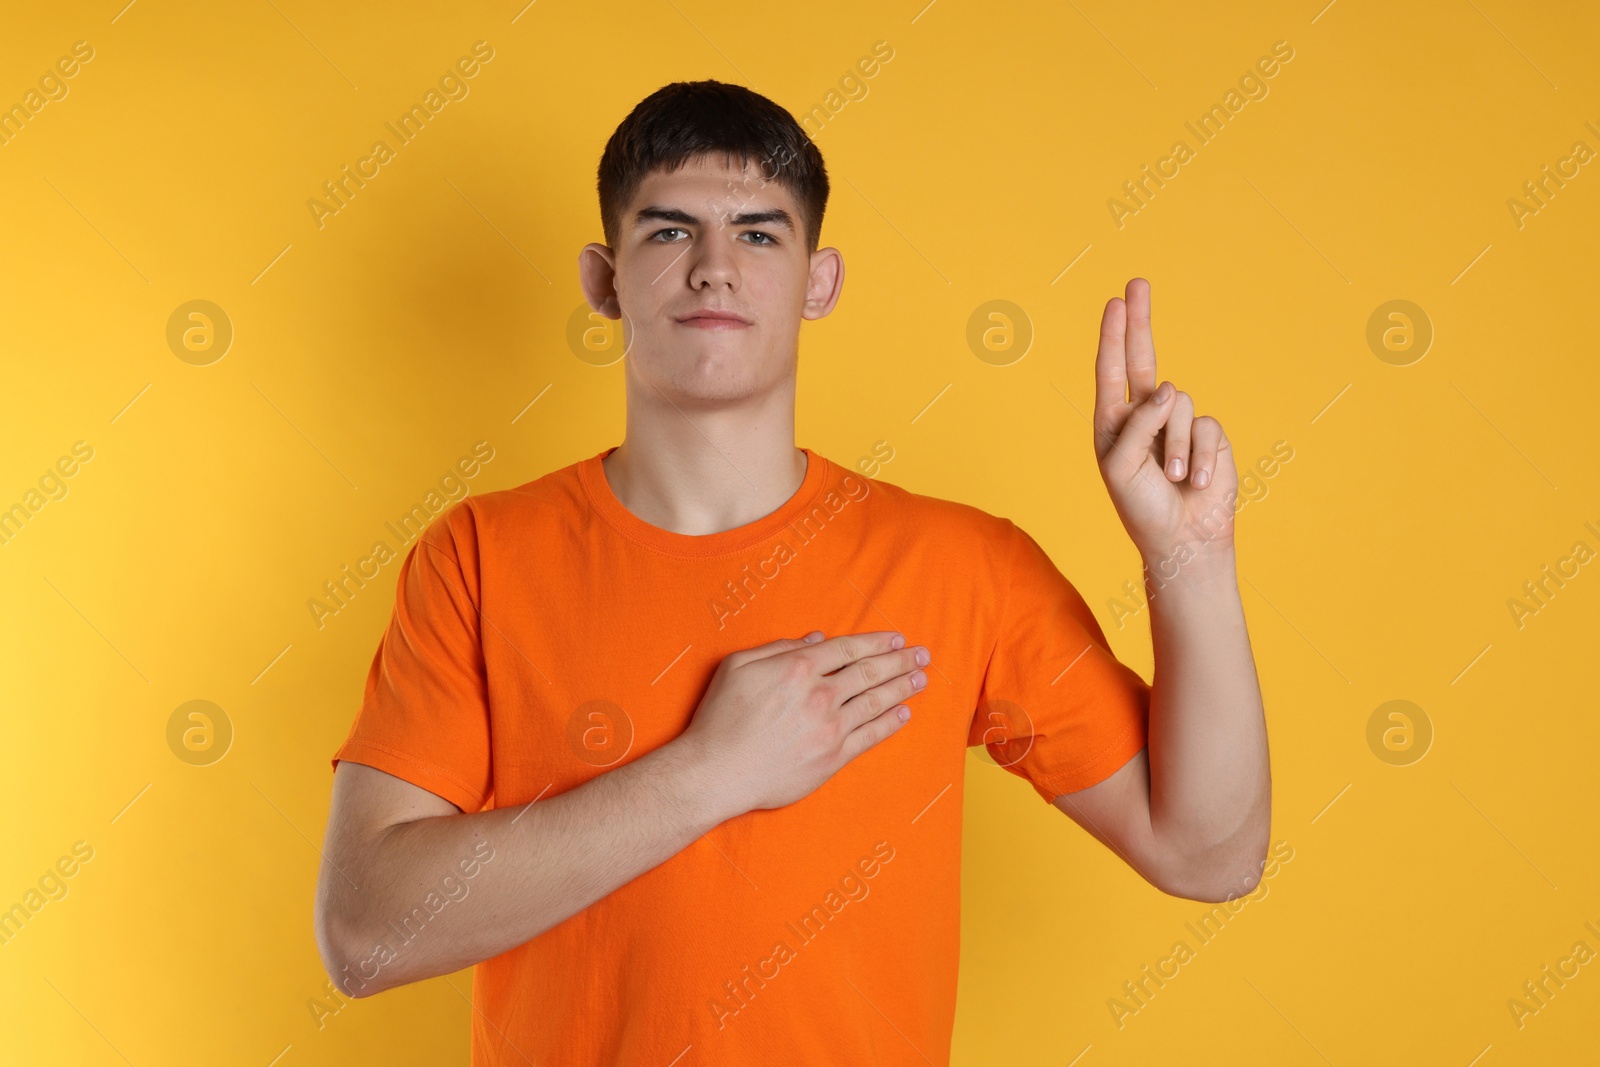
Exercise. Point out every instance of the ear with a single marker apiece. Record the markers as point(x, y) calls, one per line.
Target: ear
point(597, 273)
point(824, 283)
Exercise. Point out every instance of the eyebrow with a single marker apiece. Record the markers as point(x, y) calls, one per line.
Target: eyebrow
point(745, 218)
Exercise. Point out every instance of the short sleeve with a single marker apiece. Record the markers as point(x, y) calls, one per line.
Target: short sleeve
point(1055, 707)
point(424, 714)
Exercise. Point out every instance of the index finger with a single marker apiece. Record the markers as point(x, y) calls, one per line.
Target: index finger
point(1111, 366)
point(1141, 346)
point(845, 649)
point(1111, 406)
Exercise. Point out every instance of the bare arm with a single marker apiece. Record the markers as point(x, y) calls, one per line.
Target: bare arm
point(1211, 790)
point(390, 844)
point(411, 887)
point(1192, 812)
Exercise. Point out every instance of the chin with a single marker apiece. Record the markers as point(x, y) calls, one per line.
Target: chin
point(709, 378)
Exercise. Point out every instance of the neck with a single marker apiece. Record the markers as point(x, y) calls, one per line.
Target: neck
point(703, 470)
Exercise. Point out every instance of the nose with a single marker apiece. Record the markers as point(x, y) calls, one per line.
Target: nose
point(712, 263)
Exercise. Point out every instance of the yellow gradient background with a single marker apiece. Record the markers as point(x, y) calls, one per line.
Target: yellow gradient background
point(432, 310)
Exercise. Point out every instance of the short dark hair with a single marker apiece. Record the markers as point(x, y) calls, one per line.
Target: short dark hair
point(683, 120)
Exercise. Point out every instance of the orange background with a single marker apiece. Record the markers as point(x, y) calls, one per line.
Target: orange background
point(432, 311)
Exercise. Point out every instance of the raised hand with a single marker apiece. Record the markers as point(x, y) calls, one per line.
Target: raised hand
point(1170, 474)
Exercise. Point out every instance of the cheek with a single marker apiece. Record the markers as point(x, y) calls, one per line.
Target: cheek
point(781, 296)
point(643, 286)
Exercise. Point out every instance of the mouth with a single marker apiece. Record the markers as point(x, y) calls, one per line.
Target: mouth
point(714, 320)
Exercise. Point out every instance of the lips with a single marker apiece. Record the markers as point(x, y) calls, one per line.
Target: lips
point(714, 320)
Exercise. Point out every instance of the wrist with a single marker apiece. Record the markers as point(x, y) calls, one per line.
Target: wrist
point(700, 781)
point(1198, 563)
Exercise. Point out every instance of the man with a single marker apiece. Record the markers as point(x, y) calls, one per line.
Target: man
point(670, 742)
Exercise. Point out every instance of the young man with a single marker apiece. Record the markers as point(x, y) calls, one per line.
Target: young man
point(670, 742)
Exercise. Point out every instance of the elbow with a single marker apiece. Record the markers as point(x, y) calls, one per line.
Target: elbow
point(345, 949)
point(1224, 873)
point(1211, 888)
point(1215, 871)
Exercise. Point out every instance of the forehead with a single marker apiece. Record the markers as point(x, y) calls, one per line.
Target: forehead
point(710, 178)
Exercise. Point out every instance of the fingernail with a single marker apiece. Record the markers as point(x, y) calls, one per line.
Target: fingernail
point(897, 641)
point(918, 680)
point(1163, 392)
point(922, 657)
point(1202, 478)
point(1175, 468)
point(904, 713)
point(813, 637)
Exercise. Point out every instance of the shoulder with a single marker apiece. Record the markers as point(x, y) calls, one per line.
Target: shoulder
point(551, 498)
point(922, 515)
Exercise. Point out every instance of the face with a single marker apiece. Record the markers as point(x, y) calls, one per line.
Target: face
point(711, 279)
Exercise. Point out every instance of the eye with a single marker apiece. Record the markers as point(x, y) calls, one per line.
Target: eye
point(766, 238)
point(670, 229)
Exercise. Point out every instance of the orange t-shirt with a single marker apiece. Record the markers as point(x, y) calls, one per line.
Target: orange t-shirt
point(545, 634)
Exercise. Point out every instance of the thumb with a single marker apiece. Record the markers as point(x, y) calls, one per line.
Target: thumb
point(1139, 431)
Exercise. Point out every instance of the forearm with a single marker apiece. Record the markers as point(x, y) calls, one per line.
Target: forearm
point(1210, 784)
point(549, 860)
